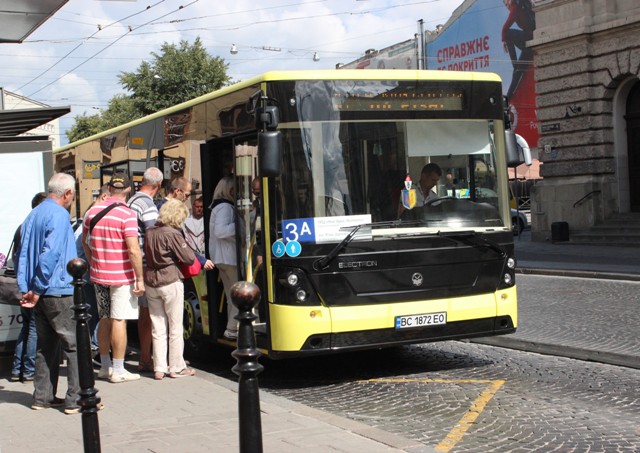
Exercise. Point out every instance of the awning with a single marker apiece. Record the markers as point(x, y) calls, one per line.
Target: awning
point(16, 122)
point(19, 18)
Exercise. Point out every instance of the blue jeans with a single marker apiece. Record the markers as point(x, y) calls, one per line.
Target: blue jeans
point(24, 357)
point(89, 293)
point(56, 332)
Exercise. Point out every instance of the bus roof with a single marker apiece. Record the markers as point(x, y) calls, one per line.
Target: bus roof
point(323, 74)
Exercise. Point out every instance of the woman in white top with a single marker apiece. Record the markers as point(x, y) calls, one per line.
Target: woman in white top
point(222, 244)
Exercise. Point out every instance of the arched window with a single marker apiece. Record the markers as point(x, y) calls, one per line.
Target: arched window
point(633, 146)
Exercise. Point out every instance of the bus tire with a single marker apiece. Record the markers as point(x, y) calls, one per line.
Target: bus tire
point(192, 325)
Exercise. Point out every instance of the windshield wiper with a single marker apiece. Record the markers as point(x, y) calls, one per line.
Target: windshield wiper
point(467, 236)
point(322, 263)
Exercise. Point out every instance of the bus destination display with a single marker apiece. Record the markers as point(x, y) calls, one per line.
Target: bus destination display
point(399, 101)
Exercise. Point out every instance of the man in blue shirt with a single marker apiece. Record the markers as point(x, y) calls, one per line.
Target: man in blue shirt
point(47, 245)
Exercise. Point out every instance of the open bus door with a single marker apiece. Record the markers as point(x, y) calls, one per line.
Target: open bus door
point(205, 315)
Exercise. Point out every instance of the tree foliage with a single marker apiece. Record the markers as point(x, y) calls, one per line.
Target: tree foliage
point(177, 74)
point(84, 126)
point(121, 110)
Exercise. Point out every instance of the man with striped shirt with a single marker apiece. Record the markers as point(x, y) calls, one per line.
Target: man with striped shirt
point(147, 213)
point(115, 259)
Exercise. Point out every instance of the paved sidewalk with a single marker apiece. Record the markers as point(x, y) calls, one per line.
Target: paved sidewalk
point(194, 414)
point(592, 319)
point(577, 260)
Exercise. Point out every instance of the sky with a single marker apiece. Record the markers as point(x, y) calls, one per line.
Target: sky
point(74, 58)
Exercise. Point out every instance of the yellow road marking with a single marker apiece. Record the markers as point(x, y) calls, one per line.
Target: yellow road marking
point(469, 417)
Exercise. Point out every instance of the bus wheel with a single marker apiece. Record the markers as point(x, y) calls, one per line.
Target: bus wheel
point(192, 324)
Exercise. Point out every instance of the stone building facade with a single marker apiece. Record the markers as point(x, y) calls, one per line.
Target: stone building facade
point(587, 60)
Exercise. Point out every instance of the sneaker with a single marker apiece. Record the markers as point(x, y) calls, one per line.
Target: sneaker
point(123, 377)
point(14, 378)
point(105, 375)
point(56, 402)
point(230, 334)
point(28, 377)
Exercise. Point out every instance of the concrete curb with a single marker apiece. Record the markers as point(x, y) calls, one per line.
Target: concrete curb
point(571, 352)
point(579, 273)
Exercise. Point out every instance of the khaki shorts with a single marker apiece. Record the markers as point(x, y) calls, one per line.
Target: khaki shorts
point(116, 302)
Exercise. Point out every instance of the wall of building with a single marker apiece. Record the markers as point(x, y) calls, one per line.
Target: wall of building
point(587, 53)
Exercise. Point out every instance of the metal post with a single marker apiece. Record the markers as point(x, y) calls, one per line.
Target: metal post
point(88, 399)
point(245, 297)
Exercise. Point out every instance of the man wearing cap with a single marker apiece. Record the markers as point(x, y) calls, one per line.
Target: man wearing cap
point(112, 249)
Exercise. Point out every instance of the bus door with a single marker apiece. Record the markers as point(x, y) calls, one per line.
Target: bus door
point(216, 159)
point(249, 223)
point(232, 156)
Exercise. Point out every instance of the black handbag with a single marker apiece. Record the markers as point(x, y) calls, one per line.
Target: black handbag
point(9, 293)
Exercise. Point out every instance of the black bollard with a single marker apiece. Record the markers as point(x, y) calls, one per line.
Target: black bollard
point(88, 399)
point(245, 297)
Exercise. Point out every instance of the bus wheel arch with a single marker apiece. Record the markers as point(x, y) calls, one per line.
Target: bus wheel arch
point(192, 323)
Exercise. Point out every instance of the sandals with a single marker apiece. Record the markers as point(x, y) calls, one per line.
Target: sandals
point(184, 373)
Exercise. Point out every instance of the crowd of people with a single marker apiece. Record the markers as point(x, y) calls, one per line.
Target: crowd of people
point(135, 246)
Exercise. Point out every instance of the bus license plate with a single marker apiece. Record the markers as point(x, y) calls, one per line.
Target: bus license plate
point(427, 319)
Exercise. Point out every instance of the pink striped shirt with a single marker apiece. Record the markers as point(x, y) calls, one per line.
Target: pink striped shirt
point(110, 263)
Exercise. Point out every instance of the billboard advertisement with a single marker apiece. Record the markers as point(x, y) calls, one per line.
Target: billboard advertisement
point(398, 56)
point(490, 35)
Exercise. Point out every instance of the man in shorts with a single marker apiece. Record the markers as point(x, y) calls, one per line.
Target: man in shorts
point(112, 249)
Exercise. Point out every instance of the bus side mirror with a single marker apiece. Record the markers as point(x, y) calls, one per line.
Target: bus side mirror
point(526, 151)
point(518, 151)
point(270, 153)
point(267, 117)
point(514, 157)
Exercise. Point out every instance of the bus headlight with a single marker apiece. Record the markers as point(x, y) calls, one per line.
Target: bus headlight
point(292, 279)
point(507, 279)
point(294, 288)
point(511, 263)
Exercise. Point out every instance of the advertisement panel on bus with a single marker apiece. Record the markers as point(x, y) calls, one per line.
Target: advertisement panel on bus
point(491, 35)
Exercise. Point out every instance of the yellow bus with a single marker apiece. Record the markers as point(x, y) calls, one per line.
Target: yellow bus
point(348, 248)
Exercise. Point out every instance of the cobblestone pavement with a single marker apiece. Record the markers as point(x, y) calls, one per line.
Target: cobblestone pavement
point(590, 319)
point(465, 397)
point(468, 397)
point(609, 312)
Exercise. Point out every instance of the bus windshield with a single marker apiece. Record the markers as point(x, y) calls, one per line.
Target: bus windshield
point(351, 147)
point(360, 168)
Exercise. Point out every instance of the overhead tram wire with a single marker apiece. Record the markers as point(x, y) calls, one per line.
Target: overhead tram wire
point(111, 44)
point(86, 39)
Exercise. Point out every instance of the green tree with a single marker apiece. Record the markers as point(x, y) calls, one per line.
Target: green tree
point(121, 110)
point(85, 126)
point(178, 74)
